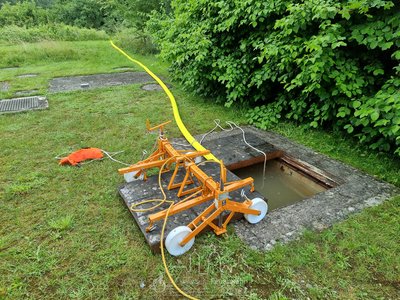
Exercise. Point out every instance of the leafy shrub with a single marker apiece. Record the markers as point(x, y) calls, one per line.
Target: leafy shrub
point(22, 14)
point(132, 33)
point(80, 13)
point(323, 62)
point(53, 32)
point(135, 40)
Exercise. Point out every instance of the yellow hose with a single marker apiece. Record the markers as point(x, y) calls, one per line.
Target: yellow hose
point(165, 261)
point(162, 201)
point(191, 140)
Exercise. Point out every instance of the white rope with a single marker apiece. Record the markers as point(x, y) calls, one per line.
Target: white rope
point(111, 154)
point(258, 150)
point(179, 144)
point(243, 194)
point(232, 126)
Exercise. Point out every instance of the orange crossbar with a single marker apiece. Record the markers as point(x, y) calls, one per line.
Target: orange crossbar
point(158, 163)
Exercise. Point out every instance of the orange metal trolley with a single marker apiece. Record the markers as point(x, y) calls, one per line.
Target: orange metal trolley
point(167, 158)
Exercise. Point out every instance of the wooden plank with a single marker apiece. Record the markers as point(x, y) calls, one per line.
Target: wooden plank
point(312, 172)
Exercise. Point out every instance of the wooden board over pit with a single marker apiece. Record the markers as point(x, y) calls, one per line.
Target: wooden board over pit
point(229, 147)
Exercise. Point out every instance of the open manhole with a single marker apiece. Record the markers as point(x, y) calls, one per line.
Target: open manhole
point(285, 181)
point(23, 104)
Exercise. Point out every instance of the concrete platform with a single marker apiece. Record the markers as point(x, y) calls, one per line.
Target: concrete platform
point(229, 148)
point(349, 190)
point(74, 83)
point(353, 191)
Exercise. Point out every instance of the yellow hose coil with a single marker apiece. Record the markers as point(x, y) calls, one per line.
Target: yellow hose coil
point(191, 140)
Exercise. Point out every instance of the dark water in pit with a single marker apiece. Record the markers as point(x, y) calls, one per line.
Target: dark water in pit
point(282, 186)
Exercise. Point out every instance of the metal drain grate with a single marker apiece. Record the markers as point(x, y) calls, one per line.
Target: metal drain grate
point(23, 104)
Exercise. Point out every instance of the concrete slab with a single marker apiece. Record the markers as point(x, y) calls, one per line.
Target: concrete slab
point(26, 92)
point(355, 191)
point(74, 83)
point(350, 192)
point(137, 191)
point(234, 153)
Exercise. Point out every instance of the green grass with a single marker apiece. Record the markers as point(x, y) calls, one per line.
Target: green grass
point(65, 233)
point(55, 59)
point(13, 34)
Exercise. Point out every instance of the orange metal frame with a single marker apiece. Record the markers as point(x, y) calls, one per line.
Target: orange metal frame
point(167, 155)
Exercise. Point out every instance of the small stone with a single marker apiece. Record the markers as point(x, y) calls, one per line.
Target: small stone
point(142, 285)
point(268, 247)
point(319, 226)
point(152, 87)
point(113, 83)
point(4, 86)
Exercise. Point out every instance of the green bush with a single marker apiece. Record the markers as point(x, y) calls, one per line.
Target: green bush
point(135, 40)
point(322, 62)
point(25, 14)
point(131, 32)
point(80, 13)
point(50, 32)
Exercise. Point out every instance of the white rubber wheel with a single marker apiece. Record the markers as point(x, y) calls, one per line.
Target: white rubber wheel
point(175, 237)
point(257, 204)
point(129, 177)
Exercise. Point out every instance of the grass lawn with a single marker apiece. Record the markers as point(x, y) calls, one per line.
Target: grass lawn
point(65, 233)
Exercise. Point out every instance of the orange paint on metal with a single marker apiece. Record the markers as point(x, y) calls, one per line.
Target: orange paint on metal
point(164, 157)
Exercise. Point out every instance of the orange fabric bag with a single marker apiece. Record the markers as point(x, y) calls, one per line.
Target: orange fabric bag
point(83, 154)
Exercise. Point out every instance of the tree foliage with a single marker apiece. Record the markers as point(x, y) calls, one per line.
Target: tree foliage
point(110, 15)
point(324, 62)
point(23, 14)
point(81, 13)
